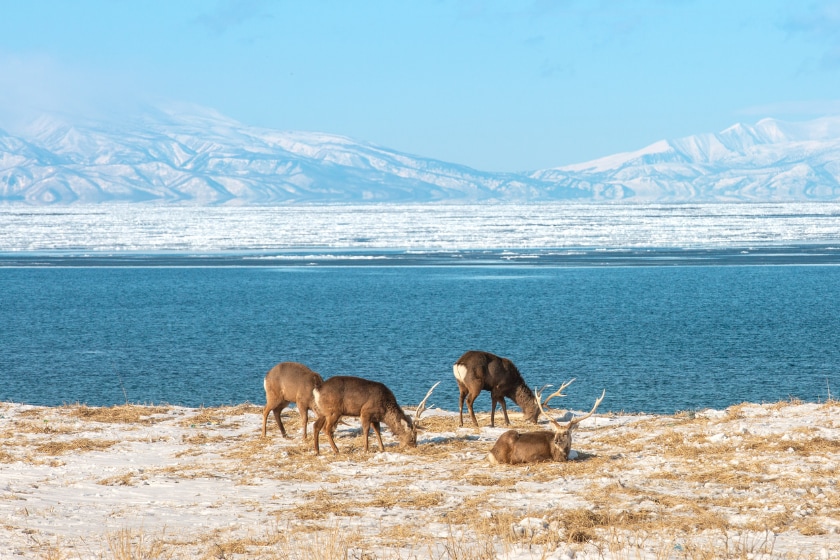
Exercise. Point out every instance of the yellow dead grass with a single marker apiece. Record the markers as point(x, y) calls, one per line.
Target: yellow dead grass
point(220, 415)
point(122, 414)
point(80, 445)
point(700, 484)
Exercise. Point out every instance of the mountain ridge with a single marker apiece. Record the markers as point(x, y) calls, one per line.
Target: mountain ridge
point(206, 158)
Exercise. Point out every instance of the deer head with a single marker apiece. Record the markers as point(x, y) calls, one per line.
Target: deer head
point(563, 432)
point(412, 426)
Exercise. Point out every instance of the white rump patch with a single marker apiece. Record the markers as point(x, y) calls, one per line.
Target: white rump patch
point(460, 371)
point(316, 394)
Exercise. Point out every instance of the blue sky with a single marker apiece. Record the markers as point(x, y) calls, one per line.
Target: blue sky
point(496, 85)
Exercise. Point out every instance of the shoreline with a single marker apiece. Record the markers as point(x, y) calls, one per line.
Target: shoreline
point(178, 482)
point(766, 254)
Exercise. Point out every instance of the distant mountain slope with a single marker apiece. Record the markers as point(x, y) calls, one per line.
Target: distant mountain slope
point(771, 161)
point(205, 158)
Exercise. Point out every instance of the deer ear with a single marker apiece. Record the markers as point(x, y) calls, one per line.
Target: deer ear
point(405, 424)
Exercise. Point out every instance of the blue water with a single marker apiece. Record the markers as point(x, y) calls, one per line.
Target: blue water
point(658, 338)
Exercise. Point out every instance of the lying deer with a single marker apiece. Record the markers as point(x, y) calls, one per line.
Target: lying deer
point(515, 448)
point(476, 371)
point(289, 382)
point(372, 402)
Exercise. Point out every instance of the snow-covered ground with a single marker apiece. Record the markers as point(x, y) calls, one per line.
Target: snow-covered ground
point(417, 227)
point(752, 481)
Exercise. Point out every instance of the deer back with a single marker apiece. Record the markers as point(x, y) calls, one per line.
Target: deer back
point(493, 373)
point(349, 396)
point(471, 368)
point(292, 381)
point(515, 448)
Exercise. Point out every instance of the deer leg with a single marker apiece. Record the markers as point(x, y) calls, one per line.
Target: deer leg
point(504, 410)
point(365, 430)
point(266, 412)
point(470, 401)
point(316, 430)
point(492, 411)
point(376, 427)
point(304, 417)
point(329, 429)
point(331, 433)
point(462, 392)
point(277, 416)
point(277, 407)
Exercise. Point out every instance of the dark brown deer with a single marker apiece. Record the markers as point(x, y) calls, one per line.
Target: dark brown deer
point(476, 371)
point(515, 448)
point(289, 382)
point(370, 401)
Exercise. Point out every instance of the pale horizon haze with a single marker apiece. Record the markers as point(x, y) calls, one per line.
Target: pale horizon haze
point(497, 86)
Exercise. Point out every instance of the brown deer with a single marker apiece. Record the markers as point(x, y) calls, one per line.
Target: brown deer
point(476, 371)
point(372, 402)
point(289, 382)
point(515, 448)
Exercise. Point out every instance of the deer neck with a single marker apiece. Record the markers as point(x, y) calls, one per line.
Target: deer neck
point(397, 422)
point(524, 398)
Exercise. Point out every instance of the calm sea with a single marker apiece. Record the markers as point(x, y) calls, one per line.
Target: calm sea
point(658, 337)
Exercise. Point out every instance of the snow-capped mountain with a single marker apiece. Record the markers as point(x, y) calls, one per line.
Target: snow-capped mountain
point(771, 161)
point(205, 158)
point(208, 159)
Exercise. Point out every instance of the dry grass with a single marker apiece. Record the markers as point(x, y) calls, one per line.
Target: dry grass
point(45, 427)
point(439, 424)
point(37, 411)
point(80, 445)
point(125, 479)
point(123, 414)
point(815, 446)
point(127, 544)
point(469, 509)
point(672, 487)
point(221, 416)
point(483, 479)
point(201, 438)
point(399, 497)
point(321, 505)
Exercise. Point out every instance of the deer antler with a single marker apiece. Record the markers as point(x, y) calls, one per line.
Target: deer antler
point(538, 397)
point(558, 392)
point(422, 406)
point(575, 421)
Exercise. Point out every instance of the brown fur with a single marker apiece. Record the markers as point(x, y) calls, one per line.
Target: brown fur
point(476, 371)
point(370, 401)
point(514, 448)
point(289, 382)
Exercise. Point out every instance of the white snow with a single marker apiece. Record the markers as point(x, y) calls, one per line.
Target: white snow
point(753, 481)
point(206, 158)
point(412, 227)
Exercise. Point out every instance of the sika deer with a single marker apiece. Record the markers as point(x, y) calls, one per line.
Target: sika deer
point(476, 371)
point(515, 448)
point(372, 402)
point(289, 382)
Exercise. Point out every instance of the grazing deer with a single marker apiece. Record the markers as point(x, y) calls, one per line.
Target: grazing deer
point(372, 402)
point(289, 382)
point(515, 448)
point(476, 371)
